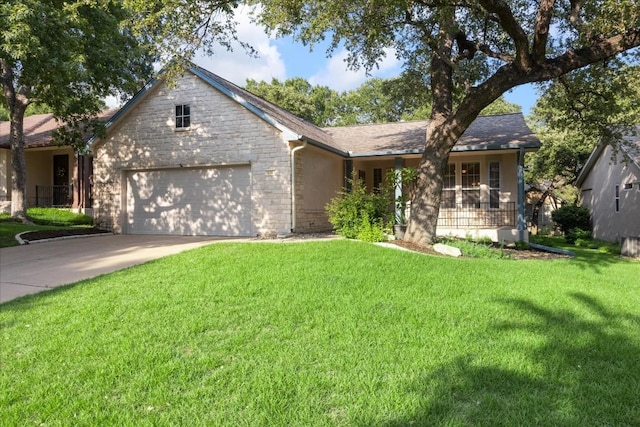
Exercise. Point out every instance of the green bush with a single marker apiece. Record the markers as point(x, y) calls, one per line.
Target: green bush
point(576, 235)
point(371, 231)
point(354, 212)
point(58, 217)
point(570, 217)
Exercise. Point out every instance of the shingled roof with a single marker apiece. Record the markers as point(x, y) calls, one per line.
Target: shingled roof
point(499, 132)
point(38, 130)
point(630, 146)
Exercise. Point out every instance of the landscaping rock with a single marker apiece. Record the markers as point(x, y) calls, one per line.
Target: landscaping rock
point(447, 250)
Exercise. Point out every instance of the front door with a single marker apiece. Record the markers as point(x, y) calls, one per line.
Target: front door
point(60, 180)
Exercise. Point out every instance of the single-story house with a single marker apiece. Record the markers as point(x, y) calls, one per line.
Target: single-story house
point(544, 223)
point(610, 189)
point(56, 175)
point(205, 157)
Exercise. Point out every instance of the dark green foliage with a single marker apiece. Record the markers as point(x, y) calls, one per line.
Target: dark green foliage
point(571, 217)
point(358, 214)
point(577, 235)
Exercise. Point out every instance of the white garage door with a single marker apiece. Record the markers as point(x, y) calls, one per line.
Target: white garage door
point(190, 201)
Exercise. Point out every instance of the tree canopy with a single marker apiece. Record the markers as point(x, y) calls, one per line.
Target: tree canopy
point(375, 101)
point(599, 104)
point(68, 55)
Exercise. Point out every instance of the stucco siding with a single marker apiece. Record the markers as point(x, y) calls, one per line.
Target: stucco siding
point(222, 133)
point(5, 174)
point(319, 177)
point(39, 163)
point(599, 196)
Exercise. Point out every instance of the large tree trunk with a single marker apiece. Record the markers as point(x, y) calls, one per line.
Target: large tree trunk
point(17, 100)
point(425, 205)
point(18, 165)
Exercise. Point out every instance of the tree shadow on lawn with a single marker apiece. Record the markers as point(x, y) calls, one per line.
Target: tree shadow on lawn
point(581, 369)
point(591, 259)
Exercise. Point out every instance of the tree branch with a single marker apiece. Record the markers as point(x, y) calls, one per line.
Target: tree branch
point(574, 14)
point(510, 75)
point(541, 34)
point(513, 28)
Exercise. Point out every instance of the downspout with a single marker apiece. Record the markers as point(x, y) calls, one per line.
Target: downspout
point(521, 211)
point(293, 184)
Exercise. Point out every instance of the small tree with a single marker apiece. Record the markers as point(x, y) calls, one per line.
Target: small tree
point(69, 55)
point(569, 217)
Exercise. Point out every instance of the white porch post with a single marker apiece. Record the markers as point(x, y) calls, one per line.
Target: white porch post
point(521, 212)
point(398, 187)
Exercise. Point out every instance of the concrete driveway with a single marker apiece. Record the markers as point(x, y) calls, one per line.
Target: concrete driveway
point(37, 267)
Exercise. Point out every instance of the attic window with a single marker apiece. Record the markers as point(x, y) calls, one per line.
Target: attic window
point(628, 186)
point(183, 116)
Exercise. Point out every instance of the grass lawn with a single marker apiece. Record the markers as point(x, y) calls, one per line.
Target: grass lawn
point(44, 219)
point(329, 333)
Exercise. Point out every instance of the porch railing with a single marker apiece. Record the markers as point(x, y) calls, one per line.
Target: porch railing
point(478, 215)
point(54, 196)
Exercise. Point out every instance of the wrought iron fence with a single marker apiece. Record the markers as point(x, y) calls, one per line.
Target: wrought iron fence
point(54, 196)
point(478, 215)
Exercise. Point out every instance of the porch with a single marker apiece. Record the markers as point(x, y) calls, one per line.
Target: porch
point(52, 196)
point(498, 222)
point(479, 215)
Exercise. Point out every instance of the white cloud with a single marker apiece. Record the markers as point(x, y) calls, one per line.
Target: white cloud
point(237, 65)
point(336, 75)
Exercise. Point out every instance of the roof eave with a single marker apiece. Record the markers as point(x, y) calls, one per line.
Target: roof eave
point(593, 157)
point(493, 147)
point(385, 153)
point(457, 149)
point(323, 146)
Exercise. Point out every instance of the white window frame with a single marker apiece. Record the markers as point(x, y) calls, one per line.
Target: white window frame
point(493, 188)
point(449, 204)
point(181, 116)
point(474, 188)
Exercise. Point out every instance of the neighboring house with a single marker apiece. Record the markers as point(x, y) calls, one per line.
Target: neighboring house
point(206, 157)
point(610, 186)
point(544, 223)
point(56, 175)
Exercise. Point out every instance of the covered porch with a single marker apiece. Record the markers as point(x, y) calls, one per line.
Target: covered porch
point(482, 196)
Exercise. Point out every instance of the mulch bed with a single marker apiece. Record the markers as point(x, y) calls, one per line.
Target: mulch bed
point(512, 253)
point(54, 234)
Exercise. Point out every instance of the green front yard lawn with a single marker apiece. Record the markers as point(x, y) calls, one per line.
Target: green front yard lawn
point(329, 333)
point(44, 219)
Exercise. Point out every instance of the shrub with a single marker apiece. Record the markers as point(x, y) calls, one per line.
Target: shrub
point(352, 211)
point(576, 235)
point(371, 231)
point(570, 217)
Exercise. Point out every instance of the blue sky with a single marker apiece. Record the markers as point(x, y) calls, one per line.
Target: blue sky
point(284, 58)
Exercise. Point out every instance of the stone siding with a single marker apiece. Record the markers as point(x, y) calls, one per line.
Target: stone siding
point(222, 132)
